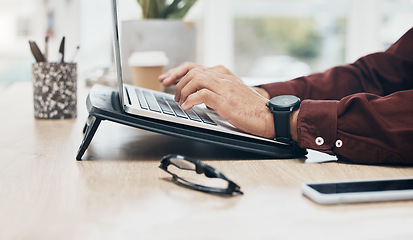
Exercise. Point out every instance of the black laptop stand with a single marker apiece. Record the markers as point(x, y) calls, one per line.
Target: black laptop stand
point(103, 104)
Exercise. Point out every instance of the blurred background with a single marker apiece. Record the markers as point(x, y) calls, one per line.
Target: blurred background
point(259, 40)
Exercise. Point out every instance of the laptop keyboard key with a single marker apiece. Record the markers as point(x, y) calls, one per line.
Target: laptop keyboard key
point(141, 99)
point(192, 115)
point(176, 108)
point(164, 106)
point(205, 118)
point(150, 99)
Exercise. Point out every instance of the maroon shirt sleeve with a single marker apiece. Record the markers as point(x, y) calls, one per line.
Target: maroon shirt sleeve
point(362, 112)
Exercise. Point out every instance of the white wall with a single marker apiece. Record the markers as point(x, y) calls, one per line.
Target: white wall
point(12, 46)
point(66, 14)
point(96, 30)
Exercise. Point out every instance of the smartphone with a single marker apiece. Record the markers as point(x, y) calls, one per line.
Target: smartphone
point(359, 191)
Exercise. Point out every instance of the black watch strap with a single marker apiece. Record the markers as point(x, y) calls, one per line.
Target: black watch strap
point(282, 126)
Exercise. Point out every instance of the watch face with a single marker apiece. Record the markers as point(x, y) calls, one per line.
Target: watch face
point(284, 101)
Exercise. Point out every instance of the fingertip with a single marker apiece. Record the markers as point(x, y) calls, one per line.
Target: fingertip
point(162, 77)
point(185, 106)
point(167, 81)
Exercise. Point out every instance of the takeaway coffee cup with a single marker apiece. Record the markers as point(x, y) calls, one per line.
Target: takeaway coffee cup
point(54, 90)
point(146, 68)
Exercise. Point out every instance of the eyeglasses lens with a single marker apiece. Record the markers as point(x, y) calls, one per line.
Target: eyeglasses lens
point(183, 164)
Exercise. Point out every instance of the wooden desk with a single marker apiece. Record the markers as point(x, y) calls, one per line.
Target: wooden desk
point(118, 191)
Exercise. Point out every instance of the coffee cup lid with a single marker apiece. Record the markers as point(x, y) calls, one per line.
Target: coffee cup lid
point(148, 59)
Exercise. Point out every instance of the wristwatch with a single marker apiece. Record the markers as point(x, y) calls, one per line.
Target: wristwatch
point(281, 107)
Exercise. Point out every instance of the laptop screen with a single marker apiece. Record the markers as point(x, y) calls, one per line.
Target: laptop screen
point(116, 47)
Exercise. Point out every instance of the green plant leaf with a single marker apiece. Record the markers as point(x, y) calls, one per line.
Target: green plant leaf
point(182, 11)
point(165, 9)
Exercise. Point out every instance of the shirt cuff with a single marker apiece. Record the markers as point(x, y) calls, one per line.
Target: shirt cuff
point(317, 125)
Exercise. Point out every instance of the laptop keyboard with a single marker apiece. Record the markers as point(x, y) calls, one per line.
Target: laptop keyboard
point(166, 105)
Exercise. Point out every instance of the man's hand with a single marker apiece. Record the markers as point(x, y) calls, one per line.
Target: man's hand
point(174, 75)
point(219, 89)
point(236, 102)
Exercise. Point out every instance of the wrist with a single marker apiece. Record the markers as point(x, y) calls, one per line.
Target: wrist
point(262, 92)
point(269, 125)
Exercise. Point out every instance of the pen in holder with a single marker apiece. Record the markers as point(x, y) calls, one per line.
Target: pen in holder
point(54, 90)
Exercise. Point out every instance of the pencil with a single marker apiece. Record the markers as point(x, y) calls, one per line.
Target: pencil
point(46, 48)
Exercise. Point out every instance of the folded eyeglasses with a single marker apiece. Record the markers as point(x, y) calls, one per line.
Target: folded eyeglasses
point(182, 168)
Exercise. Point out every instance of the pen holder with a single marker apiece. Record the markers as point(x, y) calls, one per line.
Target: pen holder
point(54, 90)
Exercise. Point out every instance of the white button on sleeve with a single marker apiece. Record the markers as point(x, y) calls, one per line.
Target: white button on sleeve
point(319, 141)
point(339, 143)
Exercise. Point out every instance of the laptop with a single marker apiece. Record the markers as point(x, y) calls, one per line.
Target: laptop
point(158, 112)
point(159, 105)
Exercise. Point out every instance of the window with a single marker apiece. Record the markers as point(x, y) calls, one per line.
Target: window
point(276, 40)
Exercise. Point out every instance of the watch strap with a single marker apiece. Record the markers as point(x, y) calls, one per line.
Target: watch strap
point(282, 126)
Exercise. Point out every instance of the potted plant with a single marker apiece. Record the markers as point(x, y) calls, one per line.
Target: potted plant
point(161, 29)
point(163, 9)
